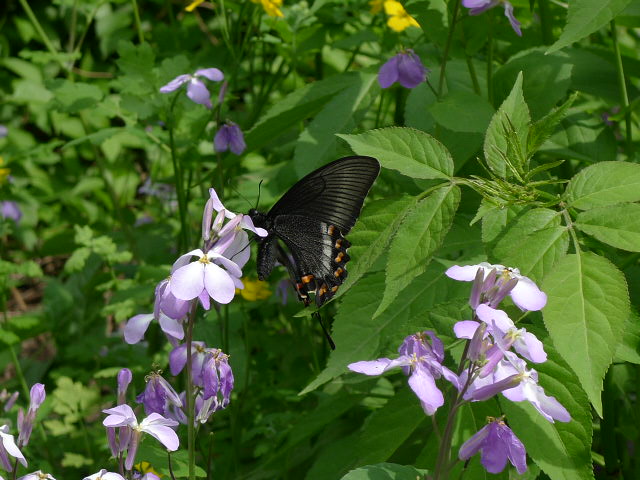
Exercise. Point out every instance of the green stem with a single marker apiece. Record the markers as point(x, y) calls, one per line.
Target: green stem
point(182, 208)
point(622, 85)
point(473, 75)
point(545, 22)
point(19, 372)
point(490, 59)
point(43, 36)
point(191, 444)
point(136, 16)
point(454, 17)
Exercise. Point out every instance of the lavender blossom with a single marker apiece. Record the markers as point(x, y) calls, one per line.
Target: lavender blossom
point(229, 137)
point(124, 379)
point(476, 7)
point(37, 395)
point(9, 209)
point(422, 361)
point(404, 68)
point(196, 89)
point(8, 447)
point(217, 378)
point(8, 399)
point(103, 474)
point(158, 395)
point(496, 443)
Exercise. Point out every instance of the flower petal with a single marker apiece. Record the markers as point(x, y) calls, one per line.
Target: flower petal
point(424, 386)
point(377, 367)
point(175, 83)
point(474, 444)
point(213, 74)
point(388, 73)
point(160, 428)
point(527, 296)
point(198, 92)
point(188, 282)
point(136, 327)
point(171, 327)
point(218, 282)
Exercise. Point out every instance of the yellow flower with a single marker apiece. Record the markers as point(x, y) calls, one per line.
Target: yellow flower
point(376, 6)
point(4, 172)
point(399, 19)
point(255, 290)
point(145, 467)
point(271, 7)
point(193, 5)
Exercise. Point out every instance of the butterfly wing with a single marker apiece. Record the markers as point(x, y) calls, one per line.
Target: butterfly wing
point(332, 194)
point(312, 219)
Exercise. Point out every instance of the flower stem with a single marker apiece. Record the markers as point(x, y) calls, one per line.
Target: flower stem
point(622, 85)
point(170, 466)
point(447, 46)
point(545, 22)
point(136, 16)
point(182, 208)
point(191, 444)
point(43, 36)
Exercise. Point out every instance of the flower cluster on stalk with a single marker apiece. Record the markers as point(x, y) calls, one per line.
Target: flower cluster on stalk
point(488, 367)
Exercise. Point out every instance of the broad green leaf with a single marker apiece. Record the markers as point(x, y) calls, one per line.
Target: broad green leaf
point(72, 97)
point(583, 137)
point(295, 107)
point(418, 237)
point(588, 304)
point(495, 218)
point(417, 111)
point(615, 225)
point(585, 17)
point(546, 78)
point(561, 450)
point(369, 238)
point(602, 184)
point(462, 111)
point(385, 471)
point(533, 243)
point(629, 347)
point(513, 115)
point(410, 152)
point(317, 143)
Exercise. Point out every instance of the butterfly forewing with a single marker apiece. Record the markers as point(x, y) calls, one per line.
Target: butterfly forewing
point(333, 194)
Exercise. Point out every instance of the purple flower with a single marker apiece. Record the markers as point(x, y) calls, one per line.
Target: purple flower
point(495, 282)
point(158, 395)
point(405, 68)
point(9, 400)
point(178, 360)
point(104, 475)
point(4, 131)
point(166, 303)
point(496, 443)
point(37, 475)
point(422, 362)
point(229, 137)
point(37, 395)
point(217, 378)
point(196, 89)
point(137, 326)
point(476, 7)
point(124, 379)
point(155, 425)
point(9, 209)
point(8, 447)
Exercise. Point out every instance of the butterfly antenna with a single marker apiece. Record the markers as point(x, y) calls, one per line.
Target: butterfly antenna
point(251, 240)
point(324, 329)
point(258, 201)
point(240, 195)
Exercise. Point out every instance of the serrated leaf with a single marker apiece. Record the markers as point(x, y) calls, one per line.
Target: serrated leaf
point(369, 238)
point(418, 237)
point(72, 97)
point(495, 218)
point(562, 450)
point(629, 347)
point(513, 114)
point(543, 128)
point(534, 243)
point(385, 471)
point(410, 152)
point(616, 225)
point(317, 143)
point(602, 184)
point(585, 17)
point(588, 304)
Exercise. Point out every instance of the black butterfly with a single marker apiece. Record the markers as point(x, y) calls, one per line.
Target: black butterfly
point(311, 219)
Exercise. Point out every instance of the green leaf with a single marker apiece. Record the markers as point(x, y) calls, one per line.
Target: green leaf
point(462, 111)
point(629, 347)
point(585, 17)
point(546, 78)
point(410, 152)
point(533, 243)
point(72, 97)
point(417, 110)
point(385, 471)
point(317, 143)
point(295, 107)
point(543, 128)
point(513, 115)
point(615, 225)
point(561, 450)
point(602, 184)
point(495, 218)
point(588, 304)
point(418, 237)
point(376, 226)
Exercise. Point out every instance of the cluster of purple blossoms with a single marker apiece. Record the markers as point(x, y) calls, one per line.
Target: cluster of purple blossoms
point(8, 446)
point(476, 7)
point(492, 367)
point(10, 209)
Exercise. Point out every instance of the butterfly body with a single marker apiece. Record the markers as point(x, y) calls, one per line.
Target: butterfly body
point(311, 220)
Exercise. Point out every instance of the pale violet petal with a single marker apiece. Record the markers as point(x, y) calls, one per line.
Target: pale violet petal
point(466, 273)
point(530, 347)
point(473, 445)
point(136, 327)
point(186, 258)
point(424, 386)
point(465, 329)
point(175, 83)
point(491, 317)
point(527, 296)
point(198, 92)
point(213, 74)
point(188, 282)
point(171, 327)
point(218, 283)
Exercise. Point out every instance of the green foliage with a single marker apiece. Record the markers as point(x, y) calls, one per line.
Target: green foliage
point(520, 151)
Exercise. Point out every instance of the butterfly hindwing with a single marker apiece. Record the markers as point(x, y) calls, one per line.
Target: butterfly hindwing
point(311, 220)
